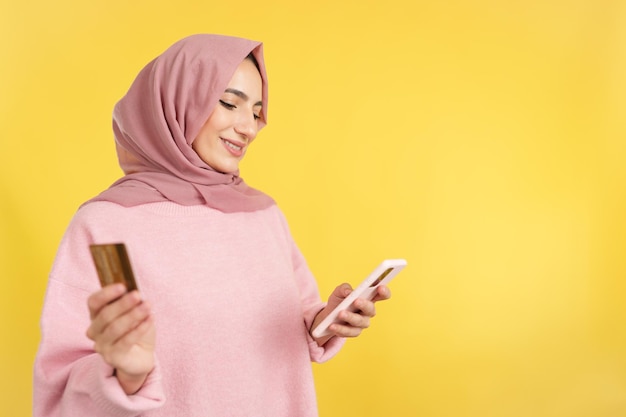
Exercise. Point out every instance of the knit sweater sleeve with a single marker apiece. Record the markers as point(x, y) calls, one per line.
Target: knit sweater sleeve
point(311, 303)
point(70, 379)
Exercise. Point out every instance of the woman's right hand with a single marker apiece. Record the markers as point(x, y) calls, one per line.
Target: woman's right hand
point(124, 334)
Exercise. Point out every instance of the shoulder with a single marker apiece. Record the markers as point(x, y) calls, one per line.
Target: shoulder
point(277, 220)
point(94, 210)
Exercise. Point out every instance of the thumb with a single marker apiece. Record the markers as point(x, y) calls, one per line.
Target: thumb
point(341, 292)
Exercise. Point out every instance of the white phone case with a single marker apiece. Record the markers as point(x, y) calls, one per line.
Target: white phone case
point(383, 273)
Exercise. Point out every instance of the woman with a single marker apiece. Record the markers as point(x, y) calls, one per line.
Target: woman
point(222, 323)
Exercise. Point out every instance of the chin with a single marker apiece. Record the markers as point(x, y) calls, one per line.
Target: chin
point(227, 169)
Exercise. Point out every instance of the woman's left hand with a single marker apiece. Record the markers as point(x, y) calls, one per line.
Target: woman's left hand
point(350, 324)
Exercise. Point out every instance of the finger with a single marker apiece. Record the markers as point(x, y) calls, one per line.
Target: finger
point(137, 334)
point(342, 291)
point(354, 319)
point(124, 323)
point(110, 312)
point(117, 354)
point(104, 296)
point(338, 294)
point(365, 307)
point(382, 293)
point(344, 330)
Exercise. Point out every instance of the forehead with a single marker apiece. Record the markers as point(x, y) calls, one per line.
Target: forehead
point(247, 79)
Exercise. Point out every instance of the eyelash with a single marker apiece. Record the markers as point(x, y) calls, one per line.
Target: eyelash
point(233, 107)
point(227, 105)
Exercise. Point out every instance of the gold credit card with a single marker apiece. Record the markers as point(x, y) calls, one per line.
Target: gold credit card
point(113, 265)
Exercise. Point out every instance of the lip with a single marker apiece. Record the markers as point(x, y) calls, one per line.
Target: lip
point(235, 152)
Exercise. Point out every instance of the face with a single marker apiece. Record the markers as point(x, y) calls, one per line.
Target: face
point(234, 123)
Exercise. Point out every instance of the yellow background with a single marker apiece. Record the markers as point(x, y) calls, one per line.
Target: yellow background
point(484, 141)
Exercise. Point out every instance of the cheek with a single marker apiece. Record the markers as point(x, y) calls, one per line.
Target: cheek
point(208, 131)
point(211, 123)
point(218, 120)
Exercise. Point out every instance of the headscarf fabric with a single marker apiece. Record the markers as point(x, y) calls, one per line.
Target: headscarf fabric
point(157, 120)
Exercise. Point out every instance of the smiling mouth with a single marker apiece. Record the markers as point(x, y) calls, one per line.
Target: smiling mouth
point(232, 145)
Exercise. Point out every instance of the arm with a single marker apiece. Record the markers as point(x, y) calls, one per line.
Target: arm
point(312, 305)
point(70, 378)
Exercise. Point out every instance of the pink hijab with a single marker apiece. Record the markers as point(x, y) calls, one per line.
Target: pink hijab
point(162, 113)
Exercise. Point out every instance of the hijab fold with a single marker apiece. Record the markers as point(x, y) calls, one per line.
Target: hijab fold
point(157, 120)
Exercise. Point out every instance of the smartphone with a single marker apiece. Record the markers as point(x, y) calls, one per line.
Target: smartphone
point(113, 265)
point(383, 273)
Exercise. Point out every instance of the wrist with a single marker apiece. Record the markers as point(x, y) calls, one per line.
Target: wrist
point(131, 383)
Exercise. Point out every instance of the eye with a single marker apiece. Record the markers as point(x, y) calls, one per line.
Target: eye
point(227, 105)
point(257, 116)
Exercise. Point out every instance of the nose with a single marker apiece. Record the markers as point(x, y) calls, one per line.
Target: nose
point(247, 126)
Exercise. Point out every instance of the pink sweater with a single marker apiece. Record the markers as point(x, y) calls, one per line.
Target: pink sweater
point(232, 298)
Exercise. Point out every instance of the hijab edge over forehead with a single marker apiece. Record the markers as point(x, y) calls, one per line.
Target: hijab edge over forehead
point(257, 52)
point(209, 84)
point(160, 115)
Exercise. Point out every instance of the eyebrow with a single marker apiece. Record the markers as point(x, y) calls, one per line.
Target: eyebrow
point(241, 95)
